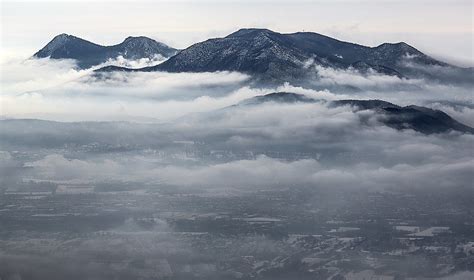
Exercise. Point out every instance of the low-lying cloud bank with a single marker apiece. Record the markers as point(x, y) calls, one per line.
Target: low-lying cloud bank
point(234, 152)
point(128, 97)
point(265, 172)
point(55, 90)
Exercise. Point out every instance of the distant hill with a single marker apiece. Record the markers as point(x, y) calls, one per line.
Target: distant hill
point(87, 54)
point(278, 97)
point(421, 119)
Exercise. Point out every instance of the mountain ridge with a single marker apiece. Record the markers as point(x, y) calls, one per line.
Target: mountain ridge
point(87, 53)
point(278, 56)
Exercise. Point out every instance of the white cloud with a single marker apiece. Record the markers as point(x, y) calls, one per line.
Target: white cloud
point(372, 80)
point(56, 90)
point(57, 167)
point(264, 171)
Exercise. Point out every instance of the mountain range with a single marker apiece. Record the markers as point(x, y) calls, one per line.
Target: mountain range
point(257, 51)
point(88, 54)
point(262, 53)
point(275, 56)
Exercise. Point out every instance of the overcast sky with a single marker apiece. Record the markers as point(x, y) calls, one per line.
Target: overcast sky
point(440, 28)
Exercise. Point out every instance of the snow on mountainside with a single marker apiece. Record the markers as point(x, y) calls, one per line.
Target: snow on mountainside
point(276, 56)
point(262, 50)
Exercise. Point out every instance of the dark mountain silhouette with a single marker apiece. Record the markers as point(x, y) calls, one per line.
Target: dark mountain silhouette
point(421, 119)
point(88, 54)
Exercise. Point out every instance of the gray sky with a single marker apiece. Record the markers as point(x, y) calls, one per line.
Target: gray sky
point(440, 28)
